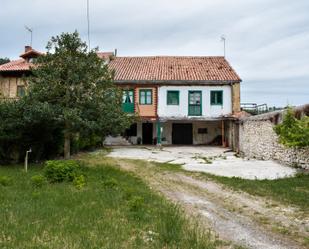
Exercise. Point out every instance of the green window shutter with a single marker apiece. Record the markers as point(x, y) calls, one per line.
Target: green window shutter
point(216, 97)
point(195, 103)
point(173, 97)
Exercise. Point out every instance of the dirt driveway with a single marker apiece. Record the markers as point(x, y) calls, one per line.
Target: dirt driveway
point(244, 220)
point(214, 160)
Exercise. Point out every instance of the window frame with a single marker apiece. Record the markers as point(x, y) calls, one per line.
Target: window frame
point(216, 102)
point(167, 98)
point(18, 91)
point(145, 91)
point(201, 102)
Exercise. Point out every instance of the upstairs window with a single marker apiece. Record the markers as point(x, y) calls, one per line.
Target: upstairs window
point(145, 97)
point(20, 91)
point(173, 97)
point(216, 97)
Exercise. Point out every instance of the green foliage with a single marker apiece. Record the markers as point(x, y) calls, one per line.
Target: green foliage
point(27, 125)
point(110, 183)
point(78, 86)
point(38, 181)
point(5, 181)
point(60, 170)
point(293, 132)
point(135, 203)
point(4, 60)
point(79, 181)
point(70, 95)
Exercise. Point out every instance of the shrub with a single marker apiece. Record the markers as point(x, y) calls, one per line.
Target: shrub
point(136, 203)
point(5, 180)
point(110, 183)
point(293, 132)
point(38, 181)
point(79, 181)
point(59, 170)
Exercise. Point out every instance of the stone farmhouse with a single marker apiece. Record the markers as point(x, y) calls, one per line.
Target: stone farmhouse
point(179, 99)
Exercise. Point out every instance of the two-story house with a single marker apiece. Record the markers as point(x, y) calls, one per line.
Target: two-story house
point(181, 100)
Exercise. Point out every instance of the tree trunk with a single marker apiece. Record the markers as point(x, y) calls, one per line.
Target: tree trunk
point(67, 142)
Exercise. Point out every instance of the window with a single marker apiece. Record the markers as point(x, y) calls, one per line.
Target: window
point(202, 131)
point(132, 131)
point(216, 97)
point(20, 91)
point(128, 101)
point(195, 103)
point(173, 97)
point(145, 97)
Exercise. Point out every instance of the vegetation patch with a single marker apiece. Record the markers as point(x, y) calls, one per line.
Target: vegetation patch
point(291, 191)
point(115, 209)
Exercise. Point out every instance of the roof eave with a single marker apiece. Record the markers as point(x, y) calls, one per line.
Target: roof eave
point(179, 82)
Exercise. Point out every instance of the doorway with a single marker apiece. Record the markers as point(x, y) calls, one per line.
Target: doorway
point(147, 133)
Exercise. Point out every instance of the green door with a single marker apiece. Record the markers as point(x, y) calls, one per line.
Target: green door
point(195, 103)
point(128, 101)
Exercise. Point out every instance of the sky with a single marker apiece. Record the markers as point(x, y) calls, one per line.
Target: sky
point(267, 41)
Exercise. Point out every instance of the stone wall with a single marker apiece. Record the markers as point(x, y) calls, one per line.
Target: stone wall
point(257, 139)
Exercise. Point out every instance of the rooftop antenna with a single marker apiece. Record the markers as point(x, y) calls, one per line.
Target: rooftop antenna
point(88, 25)
point(223, 39)
point(30, 30)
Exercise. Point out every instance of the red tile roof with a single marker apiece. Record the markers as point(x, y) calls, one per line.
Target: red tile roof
point(173, 69)
point(16, 65)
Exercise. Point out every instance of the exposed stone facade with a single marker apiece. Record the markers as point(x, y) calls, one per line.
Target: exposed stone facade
point(257, 139)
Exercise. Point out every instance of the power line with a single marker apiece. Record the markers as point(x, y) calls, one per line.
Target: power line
point(88, 24)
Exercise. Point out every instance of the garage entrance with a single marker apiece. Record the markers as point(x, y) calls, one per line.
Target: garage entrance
point(182, 134)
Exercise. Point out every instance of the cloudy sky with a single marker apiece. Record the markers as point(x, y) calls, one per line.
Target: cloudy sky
point(267, 40)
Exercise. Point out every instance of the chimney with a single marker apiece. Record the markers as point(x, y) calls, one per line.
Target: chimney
point(27, 48)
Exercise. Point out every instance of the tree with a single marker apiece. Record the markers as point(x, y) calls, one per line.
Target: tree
point(78, 87)
point(4, 60)
point(293, 132)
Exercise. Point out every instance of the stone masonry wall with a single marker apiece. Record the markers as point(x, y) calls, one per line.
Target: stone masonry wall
point(257, 139)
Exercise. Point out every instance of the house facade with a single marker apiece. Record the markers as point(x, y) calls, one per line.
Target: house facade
point(180, 100)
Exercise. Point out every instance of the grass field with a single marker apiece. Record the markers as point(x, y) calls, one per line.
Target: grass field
point(114, 210)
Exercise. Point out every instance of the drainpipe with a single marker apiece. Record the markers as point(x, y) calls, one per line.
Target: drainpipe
point(159, 131)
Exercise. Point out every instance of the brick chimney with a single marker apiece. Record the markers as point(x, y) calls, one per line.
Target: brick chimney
point(27, 48)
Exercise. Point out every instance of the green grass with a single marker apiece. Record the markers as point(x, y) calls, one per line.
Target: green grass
point(114, 209)
point(291, 191)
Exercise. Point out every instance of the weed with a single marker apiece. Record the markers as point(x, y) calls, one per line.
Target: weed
point(5, 181)
point(79, 181)
point(38, 181)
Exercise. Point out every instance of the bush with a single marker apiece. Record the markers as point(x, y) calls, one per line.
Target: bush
point(79, 181)
point(38, 181)
point(110, 183)
point(5, 180)
point(136, 203)
point(59, 170)
point(293, 132)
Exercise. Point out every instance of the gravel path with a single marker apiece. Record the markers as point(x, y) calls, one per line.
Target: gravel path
point(237, 217)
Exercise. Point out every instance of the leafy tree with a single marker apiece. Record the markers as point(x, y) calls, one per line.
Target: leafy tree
point(78, 87)
point(4, 60)
point(293, 132)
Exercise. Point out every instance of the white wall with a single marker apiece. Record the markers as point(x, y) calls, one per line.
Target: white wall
point(181, 110)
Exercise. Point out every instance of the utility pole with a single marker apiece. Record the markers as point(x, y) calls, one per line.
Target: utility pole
point(223, 39)
point(88, 25)
point(30, 30)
